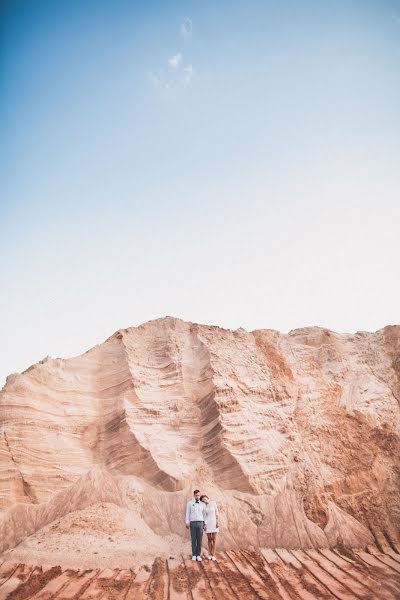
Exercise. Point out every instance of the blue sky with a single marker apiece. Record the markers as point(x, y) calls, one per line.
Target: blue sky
point(235, 163)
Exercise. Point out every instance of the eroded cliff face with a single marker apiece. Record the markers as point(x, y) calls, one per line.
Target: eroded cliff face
point(296, 436)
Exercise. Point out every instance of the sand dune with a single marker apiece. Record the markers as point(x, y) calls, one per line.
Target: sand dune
point(295, 435)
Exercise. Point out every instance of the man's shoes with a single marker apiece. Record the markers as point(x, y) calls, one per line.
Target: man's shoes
point(193, 558)
point(199, 558)
point(213, 558)
point(210, 558)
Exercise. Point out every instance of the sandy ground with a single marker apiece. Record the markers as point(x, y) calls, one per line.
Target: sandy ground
point(103, 553)
point(103, 535)
point(238, 575)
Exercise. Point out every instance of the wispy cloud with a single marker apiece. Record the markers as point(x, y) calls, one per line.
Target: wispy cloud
point(175, 61)
point(169, 81)
point(178, 73)
point(188, 73)
point(155, 79)
point(186, 28)
point(396, 17)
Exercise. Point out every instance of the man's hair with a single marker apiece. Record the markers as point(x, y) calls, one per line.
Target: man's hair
point(196, 492)
point(203, 496)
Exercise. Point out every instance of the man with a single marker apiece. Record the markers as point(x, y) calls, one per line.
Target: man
point(195, 517)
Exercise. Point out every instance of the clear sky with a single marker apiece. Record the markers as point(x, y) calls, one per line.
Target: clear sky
point(233, 163)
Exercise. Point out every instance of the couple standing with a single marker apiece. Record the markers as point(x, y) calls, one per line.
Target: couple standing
point(202, 515)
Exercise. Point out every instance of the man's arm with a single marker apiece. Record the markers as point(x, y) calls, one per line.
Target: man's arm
point(187, 514)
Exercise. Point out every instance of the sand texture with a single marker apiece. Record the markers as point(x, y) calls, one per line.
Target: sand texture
point(296, 436)
point(238, 575)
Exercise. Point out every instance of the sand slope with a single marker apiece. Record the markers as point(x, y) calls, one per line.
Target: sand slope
point(296, 436)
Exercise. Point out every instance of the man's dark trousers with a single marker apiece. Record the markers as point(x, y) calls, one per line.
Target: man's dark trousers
point(196, 531)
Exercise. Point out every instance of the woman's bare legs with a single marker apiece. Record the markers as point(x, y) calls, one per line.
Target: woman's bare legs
point(213, 543)
point(209, 540)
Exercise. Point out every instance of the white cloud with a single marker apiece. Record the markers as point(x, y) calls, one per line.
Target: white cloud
point(188, 73)
point(186, 28)
point(178, 73)
point(169, 82)
point(159, 81)
point(175, 61)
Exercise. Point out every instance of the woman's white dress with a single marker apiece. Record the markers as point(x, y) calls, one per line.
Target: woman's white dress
point(211, 517)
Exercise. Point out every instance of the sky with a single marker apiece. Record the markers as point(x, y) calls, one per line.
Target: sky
point(230, 163)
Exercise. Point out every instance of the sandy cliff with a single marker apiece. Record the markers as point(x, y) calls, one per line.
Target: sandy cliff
point(296, 436)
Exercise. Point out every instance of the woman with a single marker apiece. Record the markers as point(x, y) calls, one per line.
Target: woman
point(211, 524)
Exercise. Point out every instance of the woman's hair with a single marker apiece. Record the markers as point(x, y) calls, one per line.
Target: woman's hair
point(203, 496)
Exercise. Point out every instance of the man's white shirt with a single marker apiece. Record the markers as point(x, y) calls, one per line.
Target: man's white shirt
point(195, 511)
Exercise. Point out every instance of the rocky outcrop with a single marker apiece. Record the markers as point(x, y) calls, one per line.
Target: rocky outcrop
point(296, 436)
